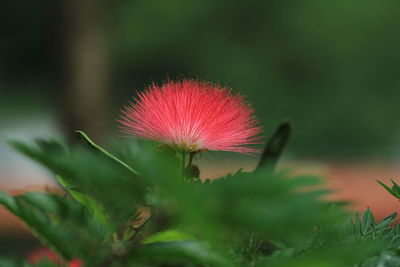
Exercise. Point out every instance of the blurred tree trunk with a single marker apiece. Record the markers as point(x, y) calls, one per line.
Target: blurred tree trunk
point(83, 66)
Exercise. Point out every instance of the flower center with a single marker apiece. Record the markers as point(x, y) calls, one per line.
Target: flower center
point(185, 147)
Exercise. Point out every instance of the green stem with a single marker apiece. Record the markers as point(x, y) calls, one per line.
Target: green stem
point(191, 156)
point(183, 165)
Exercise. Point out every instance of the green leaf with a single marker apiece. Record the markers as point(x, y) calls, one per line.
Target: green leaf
point(168, 236)
point(8, 202)
point(97, 180)
point(9, 262)
point(44, 154)
point(38, 223)
point(59, 223)
point(178, 252)
point(278, 256)
point(387, 221)
point(367, 221)
point(395, 188)
point(50, 146)
point(86, 141)
point(275, 147)
point(394, 242)
point(388, 189)
point(94, 207)
point(357, 224)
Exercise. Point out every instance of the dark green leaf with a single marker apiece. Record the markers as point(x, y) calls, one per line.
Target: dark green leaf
point(388, 189)
point(99, 179)
point(61, 224)
point(395, 188)
point(180, 252)
point(387, 221)
point(275, 147)
point(395, 242)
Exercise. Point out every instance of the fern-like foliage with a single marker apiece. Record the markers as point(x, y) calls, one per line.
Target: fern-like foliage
point(130, 207)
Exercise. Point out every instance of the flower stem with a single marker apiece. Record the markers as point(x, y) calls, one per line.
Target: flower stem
point(183, 165)
point(191, 156)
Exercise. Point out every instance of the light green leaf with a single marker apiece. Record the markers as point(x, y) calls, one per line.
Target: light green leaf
point(94, 207)
point(85, 140)
point(168, 236)
point(367, 220)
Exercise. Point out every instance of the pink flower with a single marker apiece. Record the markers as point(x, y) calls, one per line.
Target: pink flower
point(41, 254)
point(75, 263)
point(191, 116)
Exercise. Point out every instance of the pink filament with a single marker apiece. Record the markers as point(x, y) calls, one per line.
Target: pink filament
point(192, 115)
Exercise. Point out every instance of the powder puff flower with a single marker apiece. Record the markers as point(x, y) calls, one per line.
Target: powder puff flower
point(191, 116)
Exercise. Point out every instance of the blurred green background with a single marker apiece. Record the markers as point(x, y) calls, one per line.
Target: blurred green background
point(332, 67)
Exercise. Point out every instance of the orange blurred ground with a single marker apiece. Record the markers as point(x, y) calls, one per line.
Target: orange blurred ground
point(357, 184)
